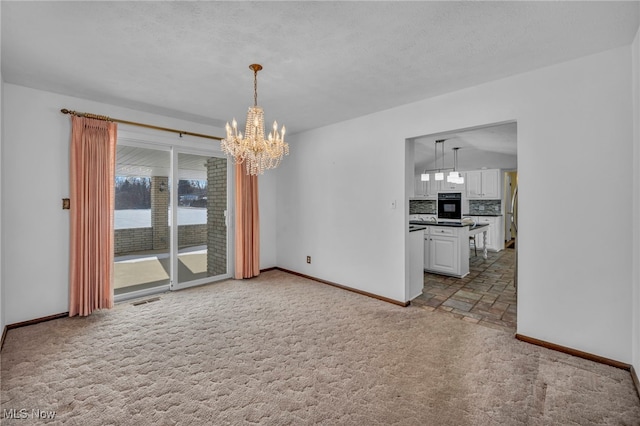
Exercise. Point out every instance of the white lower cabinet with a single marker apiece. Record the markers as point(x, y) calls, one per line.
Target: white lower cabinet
point(443, 251)
point(444, 254)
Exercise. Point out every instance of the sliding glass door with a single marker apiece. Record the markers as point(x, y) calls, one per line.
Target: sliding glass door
point(201, 218)
point(170, 219)
point(142, 227)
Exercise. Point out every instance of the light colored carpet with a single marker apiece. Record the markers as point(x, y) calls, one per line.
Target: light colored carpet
point(280, 350)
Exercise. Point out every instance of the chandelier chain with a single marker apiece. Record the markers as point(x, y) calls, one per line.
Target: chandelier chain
point(255, 87)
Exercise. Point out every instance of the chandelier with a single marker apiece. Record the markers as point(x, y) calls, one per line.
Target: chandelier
point(254, 150)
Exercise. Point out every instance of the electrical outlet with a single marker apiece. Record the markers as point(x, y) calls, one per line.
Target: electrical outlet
point(308, 259)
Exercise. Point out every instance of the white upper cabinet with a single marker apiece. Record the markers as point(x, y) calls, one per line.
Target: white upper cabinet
point(491, 184)
point(449, 186)
point(483, 184)
point(419, 188)
point(432, 187)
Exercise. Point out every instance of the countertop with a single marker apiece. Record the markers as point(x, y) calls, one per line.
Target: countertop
point(484, 214)
point(424, 223)
point(416, 228)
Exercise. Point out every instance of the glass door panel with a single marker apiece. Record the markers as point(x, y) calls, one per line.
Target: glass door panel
point(201, 218)
point(141, 220)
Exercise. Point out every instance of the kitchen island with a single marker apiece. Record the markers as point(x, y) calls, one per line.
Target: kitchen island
point(446, 246)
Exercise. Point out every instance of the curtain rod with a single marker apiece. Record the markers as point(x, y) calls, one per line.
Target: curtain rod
point(133, 123)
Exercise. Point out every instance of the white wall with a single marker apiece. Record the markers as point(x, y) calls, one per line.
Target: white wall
point(334, 204)
point(574, 120)
point(3, 323)
point(636, 203)
point(35, 229)
point(267, 205)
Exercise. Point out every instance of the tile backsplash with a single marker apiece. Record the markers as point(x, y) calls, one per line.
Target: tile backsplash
point(422, 206)
point(480, 207)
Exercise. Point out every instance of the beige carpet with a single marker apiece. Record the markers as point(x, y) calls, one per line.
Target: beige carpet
point(281, 350)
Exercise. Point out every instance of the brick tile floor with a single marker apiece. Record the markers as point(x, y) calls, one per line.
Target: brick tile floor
point(486, 296)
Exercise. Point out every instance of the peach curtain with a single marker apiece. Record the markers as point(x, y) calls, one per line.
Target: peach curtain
point(93, 152)
point(247, 238)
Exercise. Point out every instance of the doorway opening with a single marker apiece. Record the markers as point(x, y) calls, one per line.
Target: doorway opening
point(487, 159)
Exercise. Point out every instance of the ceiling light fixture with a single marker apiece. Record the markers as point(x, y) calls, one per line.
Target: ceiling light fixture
point(439, 175)
point(454, 175)
point(254, 150)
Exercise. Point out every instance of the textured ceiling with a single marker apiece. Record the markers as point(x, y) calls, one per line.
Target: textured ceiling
point(324, 62)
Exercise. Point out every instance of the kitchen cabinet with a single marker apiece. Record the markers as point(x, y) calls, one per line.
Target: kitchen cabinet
point(443, 256)
point(443, 251)
point(450, 186)
point(428, 189)
point(495, 234)
point(483, 184)
point(431, 188)
point(419, 188)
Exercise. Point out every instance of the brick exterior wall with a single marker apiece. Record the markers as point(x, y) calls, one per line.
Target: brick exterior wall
point(132, 240)
point(192, 235)
point(160, 211)
point(216, 206)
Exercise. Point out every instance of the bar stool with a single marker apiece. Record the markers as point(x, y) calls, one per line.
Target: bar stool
point(472, 241)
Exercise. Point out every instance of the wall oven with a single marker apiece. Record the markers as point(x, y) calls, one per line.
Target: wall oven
point(450, 206)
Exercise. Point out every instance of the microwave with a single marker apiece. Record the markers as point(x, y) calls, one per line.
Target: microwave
point(450, 206)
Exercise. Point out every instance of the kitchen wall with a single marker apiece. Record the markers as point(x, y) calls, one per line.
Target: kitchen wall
point(35, 230)
point(480, 207)
point(423, 207)
point(341, 211)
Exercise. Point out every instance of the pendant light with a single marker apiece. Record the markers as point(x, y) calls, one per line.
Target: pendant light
point(454, 175)
point(439, 175)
